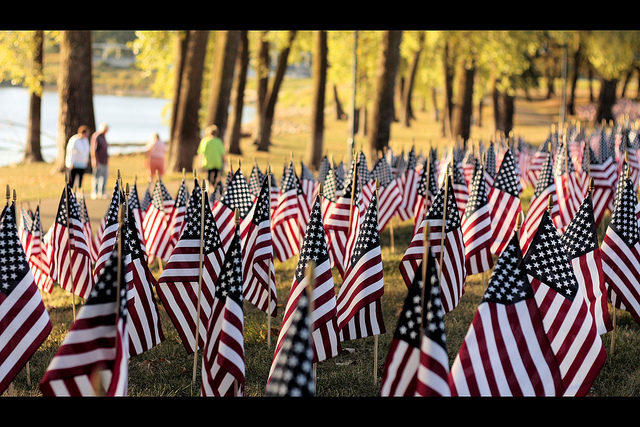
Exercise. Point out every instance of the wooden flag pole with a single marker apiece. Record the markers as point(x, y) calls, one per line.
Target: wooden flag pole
point(197, 331)
point(444, 221)
point(268, 178)
point(375, 337)
point(353, 185)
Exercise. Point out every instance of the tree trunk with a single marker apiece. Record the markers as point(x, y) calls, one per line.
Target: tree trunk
point(182, 41)
point(262, 73)
point(187, 132)
point(234, 132)
point(270, 107)
point(75, 89)
point(340, 114)
point(508, 112)
point(225, 53)
point(407, 113)
point(319, 88)
point(32, 149)
point(575, 74)
point(495, 98)
point(463, 106)
point(383, 111)
point(606, 100)
point(448, 90)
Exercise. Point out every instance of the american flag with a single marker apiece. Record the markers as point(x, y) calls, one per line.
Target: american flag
point(530, 177)
point(108, 230)
point(236, 196)
point(545, 188)
point(309, 189)
point(621, 250)
point(409, 182)
point(93, 357)
point(143, 325)
point(433, 370)
point(258, 261)
point(460, 188)
point(286, 226)
point(178, 286)
point(93, 244)
point(24, 320)
point(69, 252)
point(388, 193)
point(504, 201)
point(155, 224)
point(427, 190)
point(569, 325)
point(325, 165)
point(506, 351)
point(324, 333)
point(604, 174)
point(146, 200)
point(567, 188)
point(138, 215)
point(223, 363)
point(36, 250)
point(255, 180)
point(292, 372)
point(581, 240)
point(359, 300)
point(403, 361)
point(451, 254)
point(176, 221)
point(490, 168)
point(476, 226)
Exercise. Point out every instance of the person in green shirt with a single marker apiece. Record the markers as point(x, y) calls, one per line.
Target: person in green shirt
point(212, 154)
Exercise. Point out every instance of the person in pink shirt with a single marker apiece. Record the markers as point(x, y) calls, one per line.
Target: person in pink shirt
point(155, 150)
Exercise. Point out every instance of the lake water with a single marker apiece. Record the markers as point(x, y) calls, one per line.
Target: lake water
point(131, 119)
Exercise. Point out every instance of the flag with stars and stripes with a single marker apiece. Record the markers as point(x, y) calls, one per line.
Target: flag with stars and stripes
point(176, 221)
point(476, 226)
point(504, 201)
point(427, 190)
point(581, 240)
point(36, 250)
point(155, 224)
point(409, 182)
point(433, 370)
point(604, 174)
point(359, 299)
point(108, 230)
point(292, 370)
point(180, 287)
point(545, 189)
point(621, 250)
point(88, 230)
point(93, 357)
point(24, 320)
point(286, 227)
point(450, 254)
point(530, 177)
point(403, 360)
point(223, 363)
point(388, 192)
point(566, 317)
point(460, 187)
point(70, 260)
point(255, 180)
point(506, 351)
point(143, 325)
point(325, 165)
point(567, 188)
point(138, 214)
point(236, 196)
point(324, 329)
point(258, 260)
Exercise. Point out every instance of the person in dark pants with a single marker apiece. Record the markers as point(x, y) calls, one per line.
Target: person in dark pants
point(212, 154)
point(77, 156)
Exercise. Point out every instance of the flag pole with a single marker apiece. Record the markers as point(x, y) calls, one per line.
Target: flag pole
point(66, 201)
point(268, 178)
point(353, 184)
point(444, 221)
point(195, 344)
point(375, 337)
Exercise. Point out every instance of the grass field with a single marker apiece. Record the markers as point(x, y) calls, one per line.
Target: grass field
point(166, 370)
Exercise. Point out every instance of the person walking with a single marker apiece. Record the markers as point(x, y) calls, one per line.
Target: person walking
point(154, 151)
point(212, 154)
point(77, 156)
point(99, 162)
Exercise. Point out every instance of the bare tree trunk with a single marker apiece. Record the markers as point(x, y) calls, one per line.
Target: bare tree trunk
point(448, 90)
point(575, 74)
point(262, 73)
point(383, 111)
point(224, 62)
point(463, 107)
point(340, 114)
point(319, 88)
point(407, 112)
point(270, 107)
point(187, 131)
point(606, 100)
point(234, 132)
point(32, 149)
point(75, 89)
point(182, 41)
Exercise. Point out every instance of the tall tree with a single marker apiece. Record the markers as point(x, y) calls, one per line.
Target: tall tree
point(463, 106)
point(181, 43)
point(187, 130)
point(407, 111)
point(319, 89)
point(75, 89)
point(224, 62)
point(234, 131)
point(268, 108)
point(383, 111)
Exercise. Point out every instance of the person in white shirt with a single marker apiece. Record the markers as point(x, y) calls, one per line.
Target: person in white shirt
point(77, 156)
